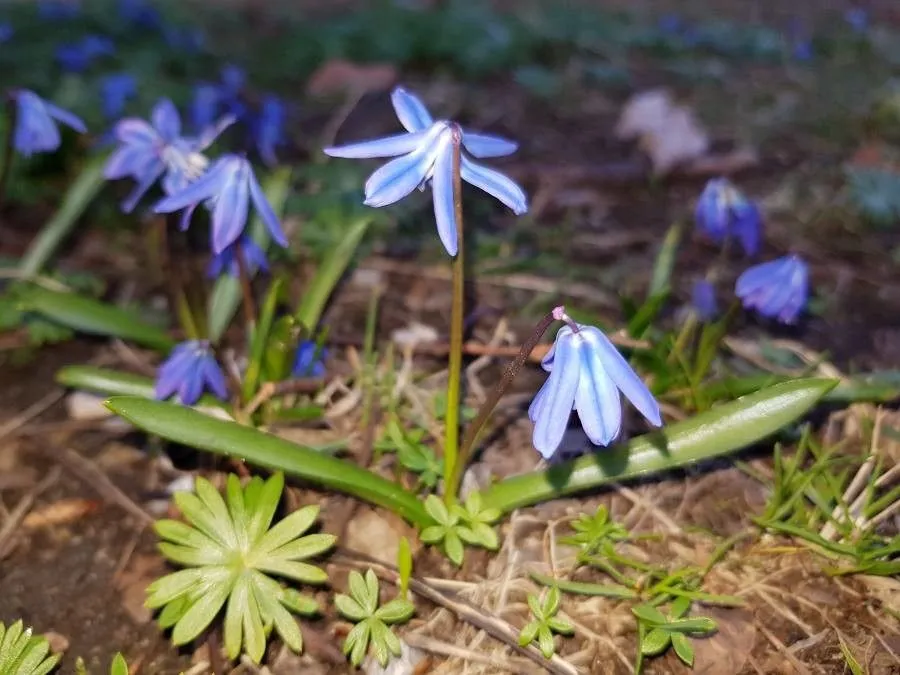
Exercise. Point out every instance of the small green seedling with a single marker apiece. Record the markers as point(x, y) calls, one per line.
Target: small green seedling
point(22, 653)
point(118, 666)
point(372, 622)
point(593, 532)
point(545, 623)
point(230, 552)
point(415, 455)
point(457, 525)
point(478, 520)
point(657, 631)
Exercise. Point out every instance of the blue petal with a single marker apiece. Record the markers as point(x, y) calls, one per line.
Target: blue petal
point(133, 130)
point(66, 117)
point(711, 215)
point(703, 298)
point(747, 226)
point(166, 120)
point(496, 184)
point(623, 375)
point(208, 136)
point(537, 403)
point(597, 400)
point(232, 203)
point(145, 182)
point(411, 112)
point(389, 146)
point(192, 384)
point(400, 176)
point(205, 187)
point(757, 277)
point(264, 209)
point(483, 145)
point(126, 160)
point(558, 397)
point(442, 185)
point(215, 378)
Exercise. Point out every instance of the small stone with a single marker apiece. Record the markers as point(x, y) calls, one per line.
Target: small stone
point(59, 643)
point(405, 664)
point(376, 534)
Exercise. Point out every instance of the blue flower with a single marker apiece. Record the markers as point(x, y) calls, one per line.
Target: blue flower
point(115, 90)
point(858, 19)
point(77, 57)
point(233, 81)
point(36, 119)
point(204, 108)
point(140, 13)
point(228, 188)
point(58, 10)
point(777, 289)
point(190, 369)
point(703, 299)
point(269, 128)
point(587, 373)
point(6, 32)
point(723, 211)
point(309, 360)
point(254, 259)
point(425, 156)
point(147, 151)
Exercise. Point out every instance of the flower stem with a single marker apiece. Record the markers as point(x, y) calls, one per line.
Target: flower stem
point(174, 282)
point(484, 413)
point(8, 148)
point(246, 290)
point(454, 381)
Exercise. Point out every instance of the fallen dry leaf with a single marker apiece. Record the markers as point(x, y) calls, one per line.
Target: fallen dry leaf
point(60, 512)
point(339, 77)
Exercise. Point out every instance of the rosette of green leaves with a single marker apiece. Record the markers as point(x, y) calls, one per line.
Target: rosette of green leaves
point(22, 653)
point(231, 554)
point(545, 623)
point(470, 523)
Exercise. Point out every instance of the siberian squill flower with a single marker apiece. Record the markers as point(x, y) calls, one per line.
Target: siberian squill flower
point(253, 256)
point(204, 107)
point(78, 57)
point(424, 155)
point(268, 128)
point(148, 151)
point(703, 299)
point(58, 10)
point(587, 373)
point(6, 32)
point(857, 18)
point(777, 289)
point(115, 90)
point(309, 360)
point(228, 188)
point(190, 369)
point(36, 119)
point(723, 211)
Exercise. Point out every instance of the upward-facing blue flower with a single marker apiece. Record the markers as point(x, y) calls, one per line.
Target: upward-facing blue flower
point(723, 211)
point(587, 373)
point(190, 369)
point(115, 90)
point(269, 128)
point(149, 150)
point(425, 156)
point(309, 361)
point(36, 119)
point(228, 188)
point(778, 289)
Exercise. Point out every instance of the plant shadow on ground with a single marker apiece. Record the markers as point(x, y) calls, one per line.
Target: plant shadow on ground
point(78, 564)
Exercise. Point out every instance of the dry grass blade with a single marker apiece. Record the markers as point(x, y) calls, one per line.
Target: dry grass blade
point(21, 510)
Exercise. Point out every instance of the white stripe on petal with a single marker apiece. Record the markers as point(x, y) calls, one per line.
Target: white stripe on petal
point(483, 145)
point(411, 112)
point(442, 191)
point(597, 401)
point(558, 400)
point(389, 146)
point(400, 176)
point(496, 184)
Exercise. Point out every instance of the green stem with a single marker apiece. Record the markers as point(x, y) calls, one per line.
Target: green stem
point(177, 297)
point(246, 291)
point(454, 382)
point(8, 149)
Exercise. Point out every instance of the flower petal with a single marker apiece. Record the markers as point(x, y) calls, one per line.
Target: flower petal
point(558, 398)
point(231, 206)
point(411, 112)
point(264, 209)
point(597, 400)
point(396, 179)
point(126, 160)
point(389, 146)
point(135, 131)
point(214, 377)
point(205, 187)
point(442, 184)
point(65, 117)
point(145, 182)
point(166, 120)
point(496, 184)
point(483, 145)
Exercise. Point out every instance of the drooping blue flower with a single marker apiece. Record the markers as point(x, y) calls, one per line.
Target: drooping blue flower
point(148, 151)
point(140, 13)
point(777, 289)
point(58, 10)
point(254, 259)
point(36, 119)
point(269, 128)
point(858, 19)
point(228, 188)
point(424, 155)
point(587, 373)
point(723, 211)
point(190, 369)
point(703, 299)
point(205, 104)
point(78, 57)
point(115, 90)
point(309, 360)
point(6, 32)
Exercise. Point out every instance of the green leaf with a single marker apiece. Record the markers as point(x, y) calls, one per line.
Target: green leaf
point(560, 626)
point(350, 608)
point(649, 614)
point(699, 624)
point(438, 510)
point(54, 232)
point(202, 612)
point(683, 648)
point(529, 633)
point(306, 547)
point(360, 591)
point(288, 529)
point(380, 642)
point(357, 642)
point(713, 433)
point(534, 604)
point(254, 631)
point(91, 316)
point(397, 610)
point(285, 624)
point(583, 588)
point(665, 263)
point(226, 294)
point(165, 589)
point(655, 642)
point(453, 547)
point(433, 534)
point(260, 340)
point(545, 642)
point(118, 666)
point(298, 603)
point(114, 383)
point(299, 571)
point(329, 272)
point(234, 618)
point(551, 602)
point(404, 565)
point(194, 429)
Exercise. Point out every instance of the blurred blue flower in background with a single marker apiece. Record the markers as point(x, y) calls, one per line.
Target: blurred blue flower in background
point(858, 19)
point(723, 211)
point(587, 373)
point(36, 129)
point(778, 289)
point(190, 369)
point(269, 128)
point(115, 91)
point(58, 10)
point(6, 32)
point(149, 150)
point(189, 40)
point(233, 79)
point(140, 13)
point(227, 261)
point(228, 188)
point(78, 57)
point(425, 156)
point(703, 299)
point(204, 107)
point(309, 360)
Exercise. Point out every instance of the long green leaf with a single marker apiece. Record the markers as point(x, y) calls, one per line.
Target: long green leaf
point(81, 193)
point(328, 274)
point(713, 433)
point(260, 340)
point(665, 263)
point(226, 294)
point(94, 317)
point(871, 387)
point(183, 425)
